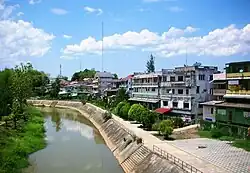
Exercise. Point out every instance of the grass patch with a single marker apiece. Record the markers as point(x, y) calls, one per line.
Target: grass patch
point(244, 144)
point(205, 134)
point(16, 145)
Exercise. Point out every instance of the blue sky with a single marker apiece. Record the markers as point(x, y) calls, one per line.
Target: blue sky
point(49, 33)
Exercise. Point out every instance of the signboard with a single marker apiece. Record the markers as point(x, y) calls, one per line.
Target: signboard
point(233, 82)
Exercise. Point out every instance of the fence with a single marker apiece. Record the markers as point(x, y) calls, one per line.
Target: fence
point(183, 165)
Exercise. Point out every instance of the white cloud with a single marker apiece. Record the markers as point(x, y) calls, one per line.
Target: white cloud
point(98, 11)
point(219, 42)
point(67, 36)
point(32, 2)
point(20, 14)
point(59, 11)
point(6, 11)
point(175, 9)
point(19, 40)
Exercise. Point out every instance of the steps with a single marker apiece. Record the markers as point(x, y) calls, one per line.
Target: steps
point(135, 159)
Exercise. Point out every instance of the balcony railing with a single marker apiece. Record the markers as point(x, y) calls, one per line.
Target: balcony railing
point(145, 84)
point(238, 75)
point(176, 83)
point(240, 92)
point(219, 92)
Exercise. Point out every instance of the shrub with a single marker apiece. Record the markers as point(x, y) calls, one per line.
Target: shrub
point(124, 111)
point(178, 122)
point(135, 112)
point(147, 118)
point(166, 128)
point(118, 108)
point(216, 133)
point(155, 126)
point(107, 115)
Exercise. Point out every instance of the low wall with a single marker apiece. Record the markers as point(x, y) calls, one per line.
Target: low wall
point(128, 149)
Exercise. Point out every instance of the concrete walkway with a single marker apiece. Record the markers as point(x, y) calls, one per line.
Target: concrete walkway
point(150, 140)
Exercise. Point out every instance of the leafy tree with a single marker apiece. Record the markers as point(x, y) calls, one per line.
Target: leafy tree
point(118, 108)
point(55, 88)
point(178, 122)
point(83, 74)
point(151, 64)
point(148, 118)
point(5, 92)
point(135, 112)
point(124, 111)
point(166, 128)
point(115, 76)
point(121, 96)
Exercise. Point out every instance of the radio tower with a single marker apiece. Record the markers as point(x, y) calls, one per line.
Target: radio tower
point(60, 71)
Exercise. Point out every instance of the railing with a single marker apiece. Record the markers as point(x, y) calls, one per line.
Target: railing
point(144, 84)
point(240, 92)
point(219, 92)
point(185, 166)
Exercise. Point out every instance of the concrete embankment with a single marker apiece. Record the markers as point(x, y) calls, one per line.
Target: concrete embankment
point(129, 150)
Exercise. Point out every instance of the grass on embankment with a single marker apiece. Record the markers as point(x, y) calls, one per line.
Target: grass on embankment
point(239, 143)
point(16, 145)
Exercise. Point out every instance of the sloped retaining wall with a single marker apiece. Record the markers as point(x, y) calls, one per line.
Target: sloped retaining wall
point(129, 150)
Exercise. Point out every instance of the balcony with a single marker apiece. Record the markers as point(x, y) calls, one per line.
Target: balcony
point(238, 75)
point(145, 95)
point(145, 84)
point(239, 92)
point(219, 92)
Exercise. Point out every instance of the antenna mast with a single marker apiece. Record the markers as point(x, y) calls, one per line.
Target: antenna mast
point(60, 70)
point(186, 57)
point(102, 46)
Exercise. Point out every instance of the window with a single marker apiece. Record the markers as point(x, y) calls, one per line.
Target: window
point(186, 105)
point(155, 80)
point(187, 91)
point(168, 91)
point(211, 77)
point(172, 78)
point(164, 78)
point(172, 91)
point(175, 104)
point(180, 91)
point(197, 89)
point(212, 110)
point(201, 77)
point(165, 103)
point(180, 78)
point(153, 89)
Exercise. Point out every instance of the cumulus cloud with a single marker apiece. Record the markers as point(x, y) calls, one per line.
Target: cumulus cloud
point(6, 11)
point(20, 39)
point(219, 42)
point(67, 36)
point(32, 2)
point(59, 11)
point(175, 9)
point(98, 11)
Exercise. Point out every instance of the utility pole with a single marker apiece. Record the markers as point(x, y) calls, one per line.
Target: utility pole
point(60, 70)
point(102, 46)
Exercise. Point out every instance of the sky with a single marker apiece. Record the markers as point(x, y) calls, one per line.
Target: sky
point(49, 33)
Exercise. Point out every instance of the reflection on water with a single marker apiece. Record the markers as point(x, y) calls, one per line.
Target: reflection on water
point(74, 146)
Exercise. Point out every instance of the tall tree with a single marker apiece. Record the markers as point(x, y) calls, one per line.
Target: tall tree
point(55, 88)
point(83, 74)
point(115, 76)
point(151, 64)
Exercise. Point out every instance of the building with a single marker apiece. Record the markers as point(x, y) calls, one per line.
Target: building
point(236, 108)
point(219, 85)
point(102, 81)
point(183, 88)
point(146, 89)
point(126, 83)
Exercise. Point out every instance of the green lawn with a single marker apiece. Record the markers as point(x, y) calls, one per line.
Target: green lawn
point(16, 145)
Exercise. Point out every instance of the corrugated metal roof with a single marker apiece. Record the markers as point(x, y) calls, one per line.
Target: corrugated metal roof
point(104, 74)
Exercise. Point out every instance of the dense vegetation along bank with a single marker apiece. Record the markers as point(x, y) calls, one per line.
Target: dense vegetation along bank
point(17, 144)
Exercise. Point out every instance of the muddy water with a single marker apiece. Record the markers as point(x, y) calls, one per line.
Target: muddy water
point(74, 146)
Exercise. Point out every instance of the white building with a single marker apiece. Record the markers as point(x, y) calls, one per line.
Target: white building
point(183, 88)
point(126, 83)
point(102, 81)
point(146, 89)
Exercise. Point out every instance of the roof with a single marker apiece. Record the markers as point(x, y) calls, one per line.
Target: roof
point(234, 105)
point(237, 96)
point(163, 110)
point(104, 74)
point(239, 62)
point(211, 103)
point(127, 78)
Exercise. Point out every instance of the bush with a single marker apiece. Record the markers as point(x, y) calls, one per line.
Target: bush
point(148, 119)
point(166, 128)
point(135, 112)
point(216, 133)
point(124, 111)
point(107, 115)
point(118, 108)
point(155, 126)
point(178, 122)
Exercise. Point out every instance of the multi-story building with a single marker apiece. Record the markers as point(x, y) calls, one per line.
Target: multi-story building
point(183, 88)
point(219, 85)
point(146, 89)
point(102, 81)
point(126, 83)
point(236, 108)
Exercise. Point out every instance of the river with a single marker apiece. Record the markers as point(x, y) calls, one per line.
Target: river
point(74, 146)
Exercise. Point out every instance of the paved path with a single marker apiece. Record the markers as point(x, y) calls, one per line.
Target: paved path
point(150, 140)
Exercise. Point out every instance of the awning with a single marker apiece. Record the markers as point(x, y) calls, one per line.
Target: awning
point(163, 110)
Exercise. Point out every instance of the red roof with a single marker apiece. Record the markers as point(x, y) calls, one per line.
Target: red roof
point(163, 110)
point(127, 78)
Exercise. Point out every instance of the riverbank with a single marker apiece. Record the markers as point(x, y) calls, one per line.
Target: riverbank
point(17, 144)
